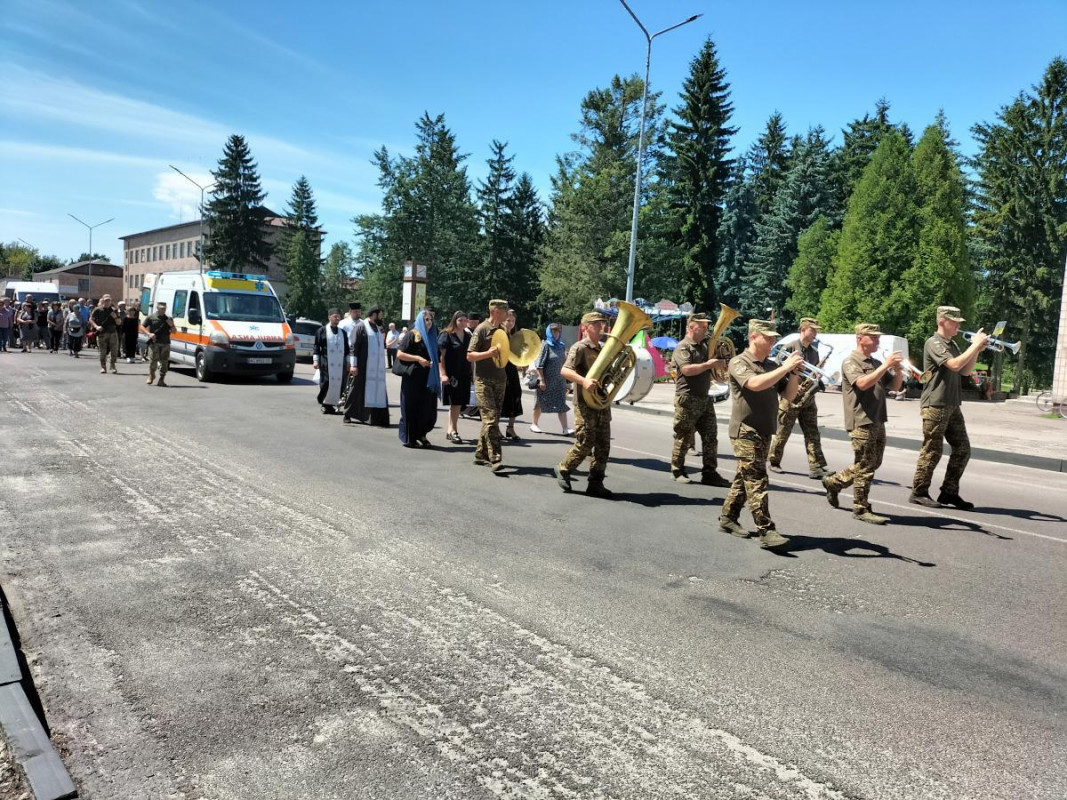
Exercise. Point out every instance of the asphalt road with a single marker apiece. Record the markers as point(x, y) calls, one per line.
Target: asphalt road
point(224, 594)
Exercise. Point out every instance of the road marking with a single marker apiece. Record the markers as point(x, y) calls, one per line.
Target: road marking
point(909, 507)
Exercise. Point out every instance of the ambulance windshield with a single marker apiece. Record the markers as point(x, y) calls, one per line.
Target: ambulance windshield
point(235, 306)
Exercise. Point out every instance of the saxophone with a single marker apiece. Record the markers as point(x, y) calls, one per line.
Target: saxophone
point(810, 383)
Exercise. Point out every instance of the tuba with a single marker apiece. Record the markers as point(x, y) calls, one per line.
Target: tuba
point(719, 347)
point(616, 360)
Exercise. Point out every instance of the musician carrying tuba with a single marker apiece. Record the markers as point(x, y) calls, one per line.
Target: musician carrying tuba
point(804, 409)
point(694, 408)
point(587, 364)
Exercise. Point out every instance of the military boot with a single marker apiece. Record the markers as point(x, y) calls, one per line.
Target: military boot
point(714, 479)
point(923, 499)
point(869, 516)
point(951, 499)
point(681, 477)
point(831, 492)
point(596, 487)
point(770, 539)
point(732, 527)
point(563, 478)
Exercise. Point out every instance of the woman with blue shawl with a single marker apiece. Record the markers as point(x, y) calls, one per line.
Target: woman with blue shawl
point(420, 384)
point(551, 388)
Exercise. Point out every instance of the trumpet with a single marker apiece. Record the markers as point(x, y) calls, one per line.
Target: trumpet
point(996, 345)
point(911, 369)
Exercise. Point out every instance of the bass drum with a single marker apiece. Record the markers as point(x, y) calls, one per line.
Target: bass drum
point(639, 382)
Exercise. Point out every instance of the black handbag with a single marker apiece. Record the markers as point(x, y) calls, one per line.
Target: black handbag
point(403, 368)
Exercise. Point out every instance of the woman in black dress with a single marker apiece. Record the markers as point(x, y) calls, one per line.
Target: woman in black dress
point(512, 406)
point(420, 385)
point(455, 371)
point(131, 324)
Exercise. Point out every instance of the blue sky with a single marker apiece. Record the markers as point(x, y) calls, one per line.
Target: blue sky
point(97, 97)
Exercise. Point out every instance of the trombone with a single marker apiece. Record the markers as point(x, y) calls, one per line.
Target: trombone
point(996, 345)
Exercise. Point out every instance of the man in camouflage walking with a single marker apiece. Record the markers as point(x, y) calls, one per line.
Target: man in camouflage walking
point(807, 413)
point(694, 410)
point(940, 411)
point(489, 385)
point(159, 327)
point(593, 425)
point(864, 381)
point(755, 385)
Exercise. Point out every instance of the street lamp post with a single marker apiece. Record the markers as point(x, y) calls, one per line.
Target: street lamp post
point(641, 141)
point(200, 247)
point(33, 249)
point(92, 259)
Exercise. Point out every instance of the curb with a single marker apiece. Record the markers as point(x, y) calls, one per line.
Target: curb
point(904, 443)
point(22, 728)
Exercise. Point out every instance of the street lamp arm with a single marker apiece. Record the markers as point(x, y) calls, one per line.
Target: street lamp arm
point(639, 25)
point(680, 24)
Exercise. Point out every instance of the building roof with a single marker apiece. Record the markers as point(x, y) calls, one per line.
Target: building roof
point(82, 268)
point(270, 218)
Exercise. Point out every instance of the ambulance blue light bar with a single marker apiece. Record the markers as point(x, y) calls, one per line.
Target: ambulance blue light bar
point(234, 276)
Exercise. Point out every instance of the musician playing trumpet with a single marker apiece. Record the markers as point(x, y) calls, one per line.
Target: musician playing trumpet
point(807, 413)
point(864, 382)
point(694, 409)
point(940, 411)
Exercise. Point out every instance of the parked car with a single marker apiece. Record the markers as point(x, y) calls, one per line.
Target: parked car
point(304, 331)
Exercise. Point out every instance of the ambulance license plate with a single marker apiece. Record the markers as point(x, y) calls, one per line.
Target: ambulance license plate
point(259, 361)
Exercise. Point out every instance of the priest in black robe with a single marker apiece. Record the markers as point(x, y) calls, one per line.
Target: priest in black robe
point(367, 401)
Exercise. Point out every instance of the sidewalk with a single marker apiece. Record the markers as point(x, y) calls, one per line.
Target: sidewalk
point(1010, 432)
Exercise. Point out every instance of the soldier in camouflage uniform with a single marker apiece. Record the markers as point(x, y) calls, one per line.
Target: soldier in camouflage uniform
point(807, 414)
point(159, 328)
point(864, 381)
point(694, 410)
point(940, 411)
point(489, 384)
point(755, 384)
point(593, 426)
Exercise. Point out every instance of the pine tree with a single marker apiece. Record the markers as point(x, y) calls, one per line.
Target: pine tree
point(861, 139)
point(336, 275)
point(768, 160)
point(300, 248)
point(696, 171)
point(234, 217)
point(808, 274)
point(879, 241)
point(806, 193)
point(586, 249)
point(524, 225)
point(737, 234)
point(1021, 217)
point(494, 195)
point(427, 216)
point(941, 273)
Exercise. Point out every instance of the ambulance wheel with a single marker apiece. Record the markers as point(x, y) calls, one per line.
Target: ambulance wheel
point(284, 377)
point(203, 374)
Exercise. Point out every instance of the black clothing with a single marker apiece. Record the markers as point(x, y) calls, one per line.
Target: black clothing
point(322, 356)
point(418, 405)
point(355, 400)
point(453, 350)
point(512, 393)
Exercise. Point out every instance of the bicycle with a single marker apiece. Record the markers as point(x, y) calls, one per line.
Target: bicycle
point(1046, 403)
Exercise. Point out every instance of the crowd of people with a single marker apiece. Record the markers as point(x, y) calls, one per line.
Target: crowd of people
point(442, 367)
point(55, 326)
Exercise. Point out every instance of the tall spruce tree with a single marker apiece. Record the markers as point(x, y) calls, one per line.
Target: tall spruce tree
point(805, 194)
point(427, 216)
point(494, 196)
point(768, 160)
point(941, 272)
point(737, 234)
point(1021, 218)
point(695, 174)
point(879, 240)
point(524, 222)
point(299, 250)
point(587, 245)
point(337, 276)
point(234, 217)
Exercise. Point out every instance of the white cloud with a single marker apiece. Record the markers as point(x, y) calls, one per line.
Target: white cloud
point(54, 152)
point(181, 196)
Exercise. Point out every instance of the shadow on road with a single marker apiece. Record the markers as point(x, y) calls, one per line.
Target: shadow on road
point(1021, 513)
point(657, 499)
point(945, 524)
point(846, 548)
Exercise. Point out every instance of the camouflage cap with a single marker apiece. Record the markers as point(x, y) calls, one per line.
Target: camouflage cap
point(766, 327)
point(498, 304)
point(867, 329)
point(949, 312)
point(593, 316)
point(809, 322)
point(699, 316)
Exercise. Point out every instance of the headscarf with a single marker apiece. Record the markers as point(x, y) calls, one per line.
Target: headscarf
point(554, 340)
point(429, 338)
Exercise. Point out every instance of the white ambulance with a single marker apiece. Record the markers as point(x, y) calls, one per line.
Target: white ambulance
point(226, 322)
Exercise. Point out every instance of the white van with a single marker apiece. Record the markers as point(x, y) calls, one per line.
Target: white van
point(17, 291)
point(225, 322)
point(834, 347)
